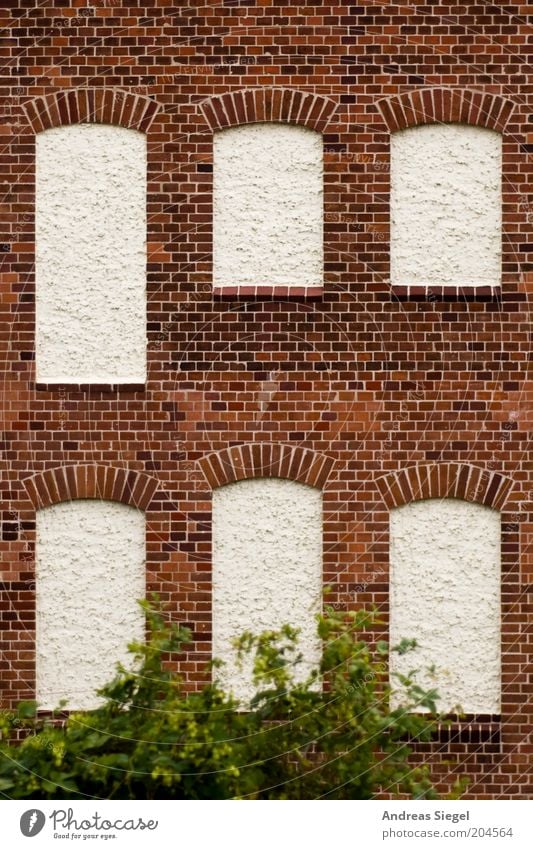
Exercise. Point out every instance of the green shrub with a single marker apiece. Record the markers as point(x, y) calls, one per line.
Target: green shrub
point(151, 740)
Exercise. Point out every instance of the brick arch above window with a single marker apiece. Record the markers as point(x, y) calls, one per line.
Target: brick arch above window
point(91, 106)
point(266, 460)
point(445, 106)
point(255, 105)
point(445, 480)
point(66, 483)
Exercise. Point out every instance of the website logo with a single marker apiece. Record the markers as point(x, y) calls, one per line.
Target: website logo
point(32, 822)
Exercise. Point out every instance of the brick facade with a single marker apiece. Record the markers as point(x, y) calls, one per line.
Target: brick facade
point(376, 396)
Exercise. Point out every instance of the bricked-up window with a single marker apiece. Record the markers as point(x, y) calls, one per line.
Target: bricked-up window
point(445, 593)
point(446, 206)
point(90, 572)
point(267, 568)
point(268, 206)
point(91, 255)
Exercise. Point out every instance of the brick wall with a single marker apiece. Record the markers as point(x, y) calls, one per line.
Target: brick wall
point(377, 395)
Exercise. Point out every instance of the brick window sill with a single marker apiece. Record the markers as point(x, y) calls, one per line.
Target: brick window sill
point(470, 728)
point(90, 387)
point(246, 291)
point(445, 293)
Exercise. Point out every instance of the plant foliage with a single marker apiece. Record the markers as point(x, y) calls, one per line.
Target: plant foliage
point(334, 736)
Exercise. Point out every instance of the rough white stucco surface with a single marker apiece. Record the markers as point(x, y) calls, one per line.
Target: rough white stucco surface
point(90, 574)
point(267, 569)
point(445, 593)
point(91, 255)
point(268, 206)
point(446, 206)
